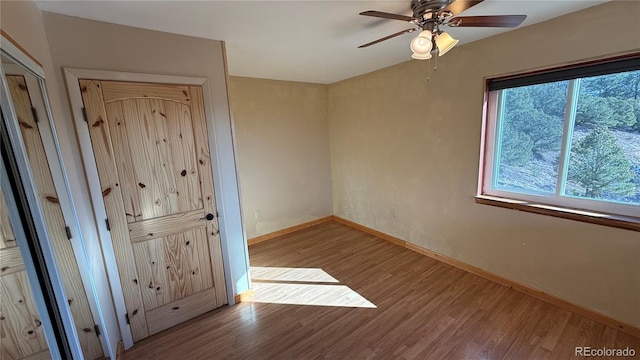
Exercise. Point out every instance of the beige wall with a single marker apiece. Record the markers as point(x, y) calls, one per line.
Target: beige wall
point(22, 20)
point(404, 156)
point(282, 134)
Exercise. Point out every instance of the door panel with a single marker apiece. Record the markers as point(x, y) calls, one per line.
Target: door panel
point(21, 333)
point(55, 222)
point(152, 155)
point(180, 266)
point(7, 239)
point(153, 151)
point(11, 260)
point(187, 308)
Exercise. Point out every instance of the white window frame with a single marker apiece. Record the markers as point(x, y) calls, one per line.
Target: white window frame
point(494, 102)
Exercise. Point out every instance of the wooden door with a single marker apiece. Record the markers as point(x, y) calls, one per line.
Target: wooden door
point(153, 160)
point(54, 219)
point(21, 334)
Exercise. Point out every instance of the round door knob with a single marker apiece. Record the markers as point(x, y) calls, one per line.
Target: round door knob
point(209, 216)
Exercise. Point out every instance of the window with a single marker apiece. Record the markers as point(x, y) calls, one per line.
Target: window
point(567, 138)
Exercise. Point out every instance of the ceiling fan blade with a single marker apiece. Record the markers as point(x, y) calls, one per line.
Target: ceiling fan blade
point(459, 6)
point(387, 37)
point(385, 15)
point(509, 21)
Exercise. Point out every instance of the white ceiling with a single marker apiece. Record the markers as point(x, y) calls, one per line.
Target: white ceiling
point(311, 41)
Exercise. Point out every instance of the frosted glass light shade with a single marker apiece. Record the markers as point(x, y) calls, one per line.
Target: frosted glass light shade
point(421, 45)
point(445, 42)
point(421, 56)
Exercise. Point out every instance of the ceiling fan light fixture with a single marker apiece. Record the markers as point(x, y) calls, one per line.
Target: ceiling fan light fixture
point(426, 56)
point(421, 45)
point(445, 42)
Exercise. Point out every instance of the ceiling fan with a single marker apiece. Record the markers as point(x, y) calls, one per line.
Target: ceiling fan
point(430, 15)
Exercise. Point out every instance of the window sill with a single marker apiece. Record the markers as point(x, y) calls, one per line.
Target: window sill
point(622, 222)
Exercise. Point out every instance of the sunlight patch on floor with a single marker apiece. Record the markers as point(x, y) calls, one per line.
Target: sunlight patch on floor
point(308, 294)
point(302, 286)
point(311, 275)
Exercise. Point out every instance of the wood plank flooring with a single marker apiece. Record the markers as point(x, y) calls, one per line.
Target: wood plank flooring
point(424, 309)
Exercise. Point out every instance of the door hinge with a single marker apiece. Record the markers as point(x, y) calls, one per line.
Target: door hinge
point(35, 114)
point(97, 328)
point(84, 115)
point(68, 231)
point(126, 317)
point(106, 221)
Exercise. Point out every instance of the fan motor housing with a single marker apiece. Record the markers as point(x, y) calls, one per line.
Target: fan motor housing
point(420, 7)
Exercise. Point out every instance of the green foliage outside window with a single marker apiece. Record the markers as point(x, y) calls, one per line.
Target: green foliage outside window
point(604, 156)
point(599, 165)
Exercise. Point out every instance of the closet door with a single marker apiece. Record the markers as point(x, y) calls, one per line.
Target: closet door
point(21, 332)
point(55, 222)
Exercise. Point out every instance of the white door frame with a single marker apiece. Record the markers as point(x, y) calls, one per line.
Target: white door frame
point(72, 77)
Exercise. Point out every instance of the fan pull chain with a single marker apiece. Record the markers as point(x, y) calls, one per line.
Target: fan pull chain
point(429, 71)
point(435, 67)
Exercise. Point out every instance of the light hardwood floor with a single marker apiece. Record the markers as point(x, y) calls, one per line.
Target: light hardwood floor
point(424, 309)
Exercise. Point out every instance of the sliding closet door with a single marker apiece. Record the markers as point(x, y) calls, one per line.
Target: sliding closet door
point(21, 331)
point(21, 91)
